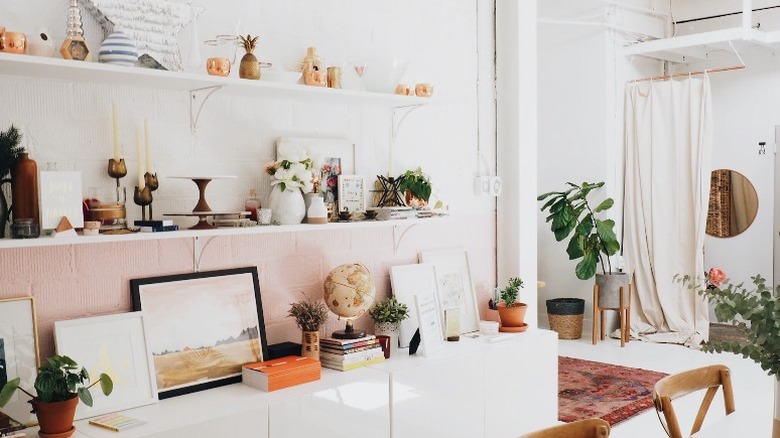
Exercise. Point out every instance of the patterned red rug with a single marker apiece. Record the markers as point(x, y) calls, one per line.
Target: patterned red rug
point(588, 389)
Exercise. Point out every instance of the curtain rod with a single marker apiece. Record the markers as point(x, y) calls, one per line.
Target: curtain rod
point(692, 73)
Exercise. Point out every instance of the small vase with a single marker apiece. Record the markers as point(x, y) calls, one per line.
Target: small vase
point(317, 213)
point(24, 189)
point(118, 49)
point(391, 329)
point(310, 344)
point(287, 207)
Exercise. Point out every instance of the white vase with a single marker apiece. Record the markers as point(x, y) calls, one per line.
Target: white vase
point(317, 213)
point(776, 424)
point(287, 207)
point(391, 329)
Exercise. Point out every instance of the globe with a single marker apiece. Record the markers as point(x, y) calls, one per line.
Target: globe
point(349, 293)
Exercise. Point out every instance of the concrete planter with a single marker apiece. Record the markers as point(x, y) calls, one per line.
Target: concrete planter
point(609, 288)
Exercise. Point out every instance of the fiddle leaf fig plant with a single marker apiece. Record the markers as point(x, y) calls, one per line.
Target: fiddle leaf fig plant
point(592, 239)
point(389, 310)
point(59, 379)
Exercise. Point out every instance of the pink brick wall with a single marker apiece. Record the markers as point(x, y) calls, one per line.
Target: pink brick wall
point(87, 280)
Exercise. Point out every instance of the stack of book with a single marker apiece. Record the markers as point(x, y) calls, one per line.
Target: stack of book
point(283, 372)
point(348, 354)
point(394, 213)
point(155, 226)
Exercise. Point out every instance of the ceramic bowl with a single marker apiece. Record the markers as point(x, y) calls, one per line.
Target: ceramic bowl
point(383, 75)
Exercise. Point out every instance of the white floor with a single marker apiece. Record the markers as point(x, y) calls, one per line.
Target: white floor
point(753, 388)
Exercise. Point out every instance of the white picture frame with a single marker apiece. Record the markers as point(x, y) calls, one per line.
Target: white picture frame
point(429, 317)
point(334, 157)
point(19, 353)
point(406, 281)
point(352, 193)
point(116, 345)
point(61, 197)
point(454, 286)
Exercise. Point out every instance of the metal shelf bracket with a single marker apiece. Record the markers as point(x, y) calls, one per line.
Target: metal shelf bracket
point(198, 98)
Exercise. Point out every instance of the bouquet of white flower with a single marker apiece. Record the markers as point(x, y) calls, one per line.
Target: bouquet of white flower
point(294, 171)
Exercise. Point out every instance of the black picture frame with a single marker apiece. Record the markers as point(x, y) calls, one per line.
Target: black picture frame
point(201, 327)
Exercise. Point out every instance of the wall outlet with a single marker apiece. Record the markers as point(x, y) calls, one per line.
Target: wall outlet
point(482, 186)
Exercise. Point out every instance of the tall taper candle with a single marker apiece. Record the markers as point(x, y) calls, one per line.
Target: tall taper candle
point(115, 123)
point(140, 149)
point(148, 143)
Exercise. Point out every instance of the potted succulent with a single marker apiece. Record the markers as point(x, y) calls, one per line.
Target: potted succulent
point(309, 315)
point(59, 385)
point(593, 241)
point(510, 311)
point(10, 151)
point(387, 315)
point(753, 308)
point(417, 187)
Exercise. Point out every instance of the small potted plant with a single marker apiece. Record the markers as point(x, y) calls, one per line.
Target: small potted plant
point(10, 151)
point(387, 315)
point(510, 311)
point(309, 315)
point(59, 387)
point(417, 187)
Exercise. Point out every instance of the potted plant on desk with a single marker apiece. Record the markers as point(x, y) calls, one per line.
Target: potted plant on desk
point(510, 311)
point(593, 240)
point(309, 315)
point(387, 316)
point(59, 385)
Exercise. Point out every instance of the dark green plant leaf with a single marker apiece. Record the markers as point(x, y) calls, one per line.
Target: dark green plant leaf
point(605, 205)
point(574, 250)
point(106, 384)
point(586, 268)
point(8, 391)
point(85, 396)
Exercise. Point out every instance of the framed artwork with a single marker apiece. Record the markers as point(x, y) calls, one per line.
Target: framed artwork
point(60, 196)
point(453, 281)
point(429, 317)
point(352, 193)
point(115, 345)
point(201, 327)
point(18, 353)
point(336, 157)
point(406, 281)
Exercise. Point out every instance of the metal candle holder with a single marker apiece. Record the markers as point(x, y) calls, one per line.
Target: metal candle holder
point(117, 169)
point(391, 189)
point(143, 197)
point(152, 183)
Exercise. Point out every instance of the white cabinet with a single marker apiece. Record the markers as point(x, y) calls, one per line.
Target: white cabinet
point(471, 388)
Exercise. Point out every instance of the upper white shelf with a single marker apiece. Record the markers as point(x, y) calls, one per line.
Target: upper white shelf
point(706, 45)
point(93, 72)
point(270, 229)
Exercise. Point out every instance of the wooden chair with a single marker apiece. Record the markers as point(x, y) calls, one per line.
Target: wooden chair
point(677, 385)
point(624, 311)
point(590, 428)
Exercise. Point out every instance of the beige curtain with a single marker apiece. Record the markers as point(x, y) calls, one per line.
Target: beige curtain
point(668, 139)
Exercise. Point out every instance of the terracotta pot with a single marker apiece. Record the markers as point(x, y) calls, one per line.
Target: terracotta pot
point(310, 344)
point(512, 316)
point(56, 419)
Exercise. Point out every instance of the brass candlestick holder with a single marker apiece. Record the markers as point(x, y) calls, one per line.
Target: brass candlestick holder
point(143, 197)
point(117, 169)
point(152, 183)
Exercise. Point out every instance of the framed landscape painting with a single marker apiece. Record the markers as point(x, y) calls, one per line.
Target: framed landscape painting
point(202, 327)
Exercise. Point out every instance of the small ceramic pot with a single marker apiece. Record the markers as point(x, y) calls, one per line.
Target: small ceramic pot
point(218, 66)
point(119, 49)
point(40, 44)
point(13, 42)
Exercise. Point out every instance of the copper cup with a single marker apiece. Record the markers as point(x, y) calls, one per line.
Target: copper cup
point(13, 42)
point(218, 66)
point(423, 90)
point(403, 90)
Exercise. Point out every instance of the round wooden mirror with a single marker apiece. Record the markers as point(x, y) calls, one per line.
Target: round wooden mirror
point(733, 203)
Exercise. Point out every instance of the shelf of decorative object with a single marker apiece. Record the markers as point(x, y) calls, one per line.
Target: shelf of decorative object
point(231, 231)
point(97, 73)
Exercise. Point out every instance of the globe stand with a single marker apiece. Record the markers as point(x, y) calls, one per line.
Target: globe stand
point(348, 333)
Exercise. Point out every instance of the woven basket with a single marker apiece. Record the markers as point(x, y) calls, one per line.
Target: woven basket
point(567, 326)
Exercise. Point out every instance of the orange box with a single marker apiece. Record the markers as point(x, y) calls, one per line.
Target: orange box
point(275, 374)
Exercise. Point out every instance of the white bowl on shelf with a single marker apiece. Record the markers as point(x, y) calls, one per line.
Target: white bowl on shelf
point(383, 75)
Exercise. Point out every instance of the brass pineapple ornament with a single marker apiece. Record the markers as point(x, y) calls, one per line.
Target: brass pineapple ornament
point(250, 67)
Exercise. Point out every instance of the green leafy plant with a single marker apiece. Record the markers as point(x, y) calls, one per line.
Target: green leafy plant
point(59, 379)
point(10, 151)
point(417, 183)
point(308, 314)
point(389, 310)
point(755, 309)
point(591, 238)
point(509, 293)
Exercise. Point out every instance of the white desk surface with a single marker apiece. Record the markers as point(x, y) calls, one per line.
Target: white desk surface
point(738, 424)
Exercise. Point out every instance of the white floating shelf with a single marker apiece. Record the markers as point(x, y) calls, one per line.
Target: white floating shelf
point(269, 229)
point(97, 73)
point(704, 46)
